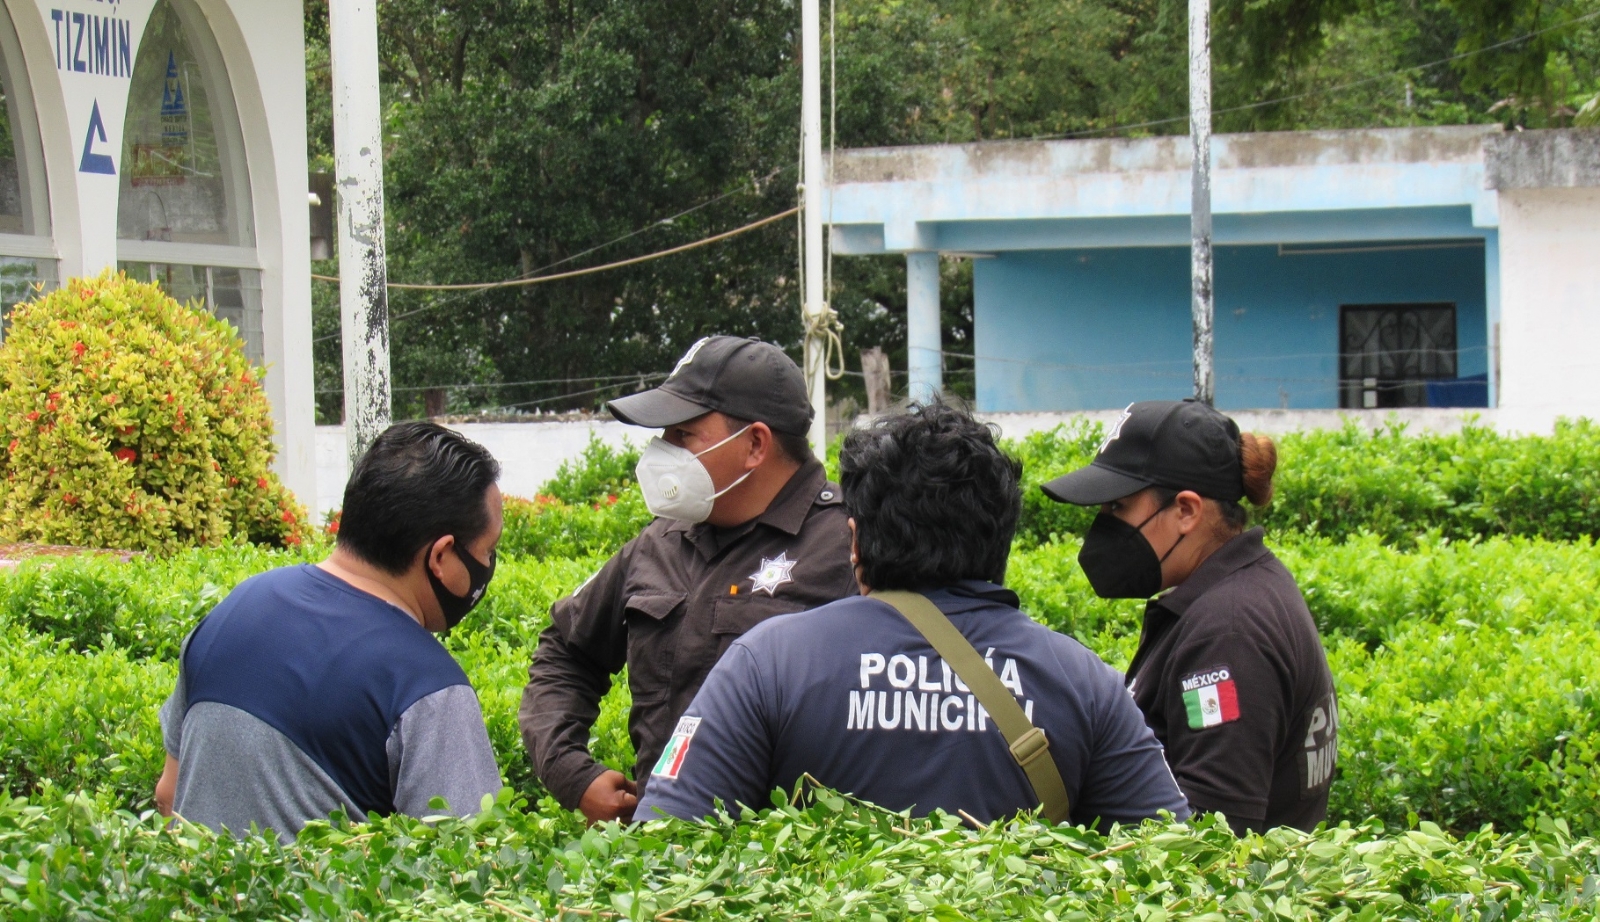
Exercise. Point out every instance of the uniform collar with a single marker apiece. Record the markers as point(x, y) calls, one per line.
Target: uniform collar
point(1240, 551)
point(971, 594)
point(787, 512)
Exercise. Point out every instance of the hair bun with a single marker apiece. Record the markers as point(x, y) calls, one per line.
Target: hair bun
point(1258, 459)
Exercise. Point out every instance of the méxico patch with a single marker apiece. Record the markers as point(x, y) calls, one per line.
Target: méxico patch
point(1210, 698)
point(677, 747)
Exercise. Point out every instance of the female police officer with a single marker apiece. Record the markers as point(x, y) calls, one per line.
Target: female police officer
point(1230, 672)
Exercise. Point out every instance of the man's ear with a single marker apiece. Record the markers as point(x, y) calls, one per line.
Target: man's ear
point(434, 555)
point(761, 445)
point(855, 546)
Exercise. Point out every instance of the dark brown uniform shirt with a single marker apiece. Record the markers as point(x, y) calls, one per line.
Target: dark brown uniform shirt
point(1232, 677)
point(667, 606)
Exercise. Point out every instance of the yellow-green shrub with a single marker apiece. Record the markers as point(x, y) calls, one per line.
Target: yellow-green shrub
point(132, 421)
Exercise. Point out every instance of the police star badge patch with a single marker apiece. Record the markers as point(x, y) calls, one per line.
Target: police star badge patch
point(1210, 698)
point(773, 573)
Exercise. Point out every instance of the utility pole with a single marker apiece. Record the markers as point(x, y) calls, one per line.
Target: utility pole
point(815, 306)
point(363, 276)
point(1200, 196)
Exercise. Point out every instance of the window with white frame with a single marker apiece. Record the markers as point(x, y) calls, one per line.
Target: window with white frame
point(184, 216)
point(27, 251)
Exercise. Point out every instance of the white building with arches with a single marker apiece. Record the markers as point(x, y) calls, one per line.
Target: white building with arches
point(168, 138)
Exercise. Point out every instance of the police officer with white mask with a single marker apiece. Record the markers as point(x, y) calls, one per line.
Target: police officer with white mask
point(931, 690)
point(747, 527)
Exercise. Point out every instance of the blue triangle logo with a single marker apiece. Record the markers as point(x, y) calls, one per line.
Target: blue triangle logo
point(93, 162)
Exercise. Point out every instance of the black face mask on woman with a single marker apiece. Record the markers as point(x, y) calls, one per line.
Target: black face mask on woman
point(1118, 559)
point(455, 607)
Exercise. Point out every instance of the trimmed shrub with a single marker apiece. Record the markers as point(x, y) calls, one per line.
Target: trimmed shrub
point(131, 421)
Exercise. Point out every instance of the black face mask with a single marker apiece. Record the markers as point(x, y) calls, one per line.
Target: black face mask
point(1119, 561)
point(455, 607)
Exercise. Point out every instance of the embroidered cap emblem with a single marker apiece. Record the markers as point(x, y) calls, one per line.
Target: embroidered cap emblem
point(1116, 429)
point(773, 573)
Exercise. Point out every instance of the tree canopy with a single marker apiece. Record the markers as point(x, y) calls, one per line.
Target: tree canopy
point(526, 136)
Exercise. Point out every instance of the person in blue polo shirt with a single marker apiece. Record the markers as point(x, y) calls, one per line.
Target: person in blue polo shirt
point(853, 695)
point(315, 688)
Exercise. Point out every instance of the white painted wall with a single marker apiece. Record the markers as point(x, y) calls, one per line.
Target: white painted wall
point(530, 453)
point(1550, 305)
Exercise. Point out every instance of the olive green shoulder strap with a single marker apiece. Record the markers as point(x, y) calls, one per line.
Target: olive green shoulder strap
point(1028, 744)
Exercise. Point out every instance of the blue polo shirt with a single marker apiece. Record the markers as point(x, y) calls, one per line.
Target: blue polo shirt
point(852, 694)
point(300, 694)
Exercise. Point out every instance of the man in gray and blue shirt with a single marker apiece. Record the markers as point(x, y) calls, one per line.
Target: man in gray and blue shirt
point(315, 688)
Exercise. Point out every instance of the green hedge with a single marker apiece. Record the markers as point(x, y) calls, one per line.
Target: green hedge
point(65, 856)
point(1501, 729)
point(1390, 482)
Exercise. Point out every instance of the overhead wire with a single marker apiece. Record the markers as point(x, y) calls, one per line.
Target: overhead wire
point(541, 279)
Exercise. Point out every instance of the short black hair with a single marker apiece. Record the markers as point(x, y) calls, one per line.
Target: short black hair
point(417, 483)
point(792, 447)
point(934, 498)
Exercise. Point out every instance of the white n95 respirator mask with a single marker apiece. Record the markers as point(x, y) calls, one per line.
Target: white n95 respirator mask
point(674, 482)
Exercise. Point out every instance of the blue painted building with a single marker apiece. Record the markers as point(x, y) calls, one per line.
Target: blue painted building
point(1355, 269)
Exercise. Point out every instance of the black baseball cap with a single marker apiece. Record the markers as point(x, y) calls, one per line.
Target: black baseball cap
point(744, 378)
point(1176, 444)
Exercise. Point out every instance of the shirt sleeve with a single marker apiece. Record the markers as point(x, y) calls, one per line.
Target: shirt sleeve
point(721, 749)
point(172, 713)
point(176, 707)
point(585, 644)
point(440, 748)
point(1127, 779)
point(1226, 717)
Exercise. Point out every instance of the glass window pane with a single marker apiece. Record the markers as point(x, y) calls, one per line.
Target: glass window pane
point(23, 199)
point(182, 173)
point(233, 295)
point(23, 279)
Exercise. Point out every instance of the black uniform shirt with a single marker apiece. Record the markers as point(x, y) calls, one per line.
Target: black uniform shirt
point(667, 606)
point(855, 696)
point(1232, 677)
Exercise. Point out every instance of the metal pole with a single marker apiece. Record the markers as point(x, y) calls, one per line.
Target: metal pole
point(363, 277)
point(812, 184)
point(1200, 196)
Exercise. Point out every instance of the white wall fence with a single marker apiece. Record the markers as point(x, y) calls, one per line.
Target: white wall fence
point(530, 453)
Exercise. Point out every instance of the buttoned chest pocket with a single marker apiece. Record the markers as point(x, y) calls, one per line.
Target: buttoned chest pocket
point(650, 650)
point(732, 616)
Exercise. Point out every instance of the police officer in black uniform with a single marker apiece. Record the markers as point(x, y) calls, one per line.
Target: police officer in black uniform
point(853, 695)
point(1230, 672)
point(747, 527)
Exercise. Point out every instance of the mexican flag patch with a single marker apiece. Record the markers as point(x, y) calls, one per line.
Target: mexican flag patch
point(677, 747)
point(1210, 698)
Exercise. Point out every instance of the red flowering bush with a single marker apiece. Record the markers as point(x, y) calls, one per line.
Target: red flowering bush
point(132, 421)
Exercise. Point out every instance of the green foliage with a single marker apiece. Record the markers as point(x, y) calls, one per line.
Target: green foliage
point(80, 720)
point(1468, 674)
point(1387, 482)
point(821, 857)
point(134, 422)
point(600, 473)
point(548, 527)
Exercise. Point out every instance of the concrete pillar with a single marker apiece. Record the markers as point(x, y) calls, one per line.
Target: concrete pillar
point(1491, 311)
point(923, 342)
point(1550, 306)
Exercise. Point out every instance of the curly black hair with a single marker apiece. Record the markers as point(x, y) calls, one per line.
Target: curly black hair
point(934, 498)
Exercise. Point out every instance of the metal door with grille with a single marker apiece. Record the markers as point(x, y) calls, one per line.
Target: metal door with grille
point(1388, 353)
